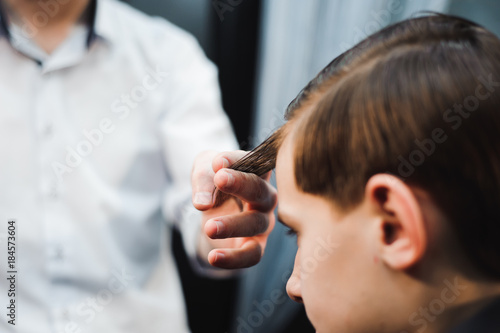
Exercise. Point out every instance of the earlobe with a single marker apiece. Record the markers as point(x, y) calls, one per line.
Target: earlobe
point(402, 237)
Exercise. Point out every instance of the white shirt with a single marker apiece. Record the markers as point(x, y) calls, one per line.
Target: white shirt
point(96, 150)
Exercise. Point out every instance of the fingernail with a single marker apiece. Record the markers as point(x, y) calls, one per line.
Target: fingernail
point(203, 198)
point(230, 179)
point(219, 256)
point(220, 227)
point(225, 163)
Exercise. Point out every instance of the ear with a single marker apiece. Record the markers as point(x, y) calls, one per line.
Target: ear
point(403, 236)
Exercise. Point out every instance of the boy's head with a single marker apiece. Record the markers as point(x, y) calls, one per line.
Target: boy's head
point(388, 169)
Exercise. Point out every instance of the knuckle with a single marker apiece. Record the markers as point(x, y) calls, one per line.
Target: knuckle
point(229, 229)
point(258, 224)
point(257, 191)
point(262, 223)
point(265, 196)
point(273, 196)
point(239, 182)
point(219, 157)
point(198, 174)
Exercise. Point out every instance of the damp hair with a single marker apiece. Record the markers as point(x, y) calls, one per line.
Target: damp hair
point(419, 100)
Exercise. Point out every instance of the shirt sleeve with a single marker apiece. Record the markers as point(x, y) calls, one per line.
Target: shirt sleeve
point(194, 121)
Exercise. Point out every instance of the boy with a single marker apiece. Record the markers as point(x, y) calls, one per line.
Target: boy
point(388, 171)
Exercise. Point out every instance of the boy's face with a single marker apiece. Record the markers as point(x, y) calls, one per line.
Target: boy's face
point(333, 273)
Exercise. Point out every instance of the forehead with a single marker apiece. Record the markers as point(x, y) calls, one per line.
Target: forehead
point(285, 176)
point(284, 158)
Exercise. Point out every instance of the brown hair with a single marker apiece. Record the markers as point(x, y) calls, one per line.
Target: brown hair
point(419, 100)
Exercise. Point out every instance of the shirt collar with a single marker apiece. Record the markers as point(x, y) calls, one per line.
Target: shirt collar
point(92, 15)
point(102, 25)
point(4, 31)
point(99, 22)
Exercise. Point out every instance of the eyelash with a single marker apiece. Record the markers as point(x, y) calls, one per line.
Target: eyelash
point(291, 232)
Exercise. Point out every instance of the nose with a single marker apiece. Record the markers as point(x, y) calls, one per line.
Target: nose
point(293, 288)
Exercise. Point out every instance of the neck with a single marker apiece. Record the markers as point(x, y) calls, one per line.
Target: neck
point(49, 22)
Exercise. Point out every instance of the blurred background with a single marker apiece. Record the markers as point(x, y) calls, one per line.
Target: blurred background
point(266, 51)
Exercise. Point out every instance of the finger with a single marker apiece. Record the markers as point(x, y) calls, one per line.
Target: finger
point(226, 159)
point(247, 187)
point(246, 224)
point(221, 197)
point(248, 255)
point(202, 181)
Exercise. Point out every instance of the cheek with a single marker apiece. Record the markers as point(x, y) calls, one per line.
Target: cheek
point(330, 273)
point(317, 276)
point(320, 255)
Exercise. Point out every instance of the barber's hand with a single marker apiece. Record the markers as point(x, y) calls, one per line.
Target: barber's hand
point(235, 232)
